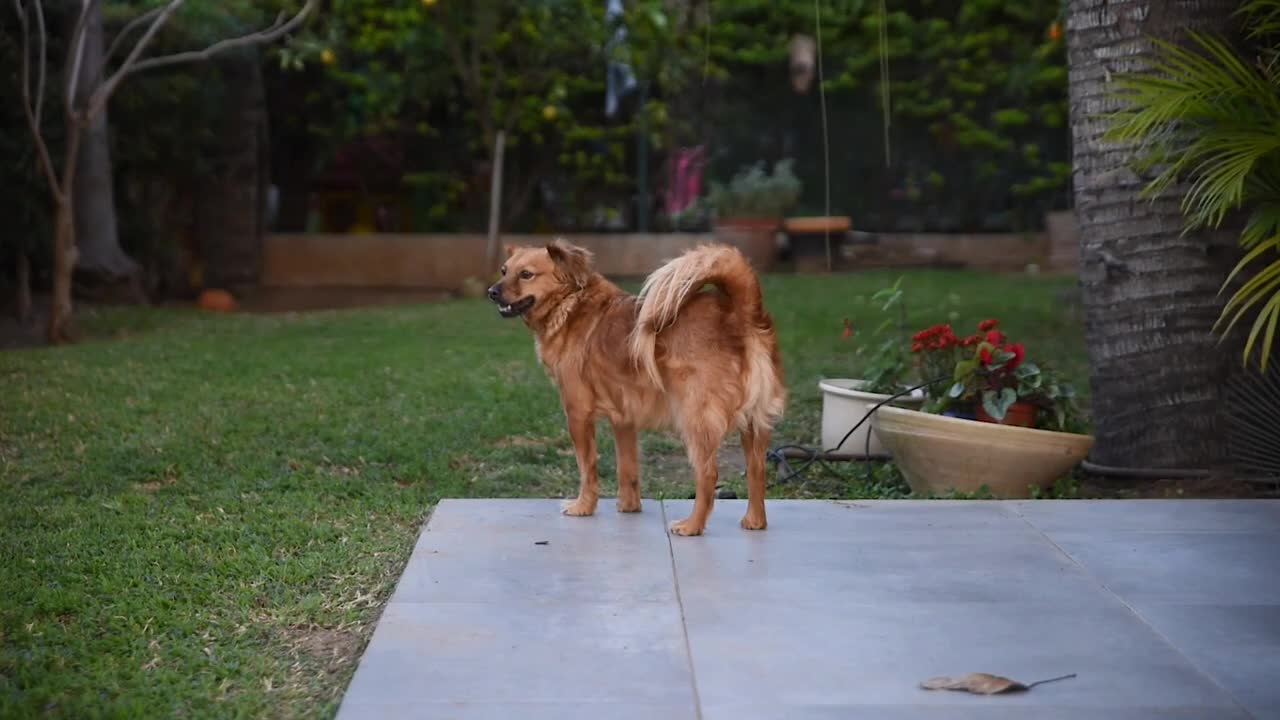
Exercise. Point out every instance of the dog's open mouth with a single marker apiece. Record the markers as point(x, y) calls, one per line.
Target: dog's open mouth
point(518, 307)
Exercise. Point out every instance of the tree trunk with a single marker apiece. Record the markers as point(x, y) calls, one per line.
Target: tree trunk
point(65, 252)
point(64, 264)
point(1150, 293)
point(23, 282)
point(95, 211)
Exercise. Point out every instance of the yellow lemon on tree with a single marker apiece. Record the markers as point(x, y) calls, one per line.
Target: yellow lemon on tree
point(327, 57)
point(428, 3)
point(549, 113)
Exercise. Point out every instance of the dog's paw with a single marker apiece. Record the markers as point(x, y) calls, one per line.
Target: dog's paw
point(628, 504)
point(580, 507)
point(686, 528)
point(754, 522)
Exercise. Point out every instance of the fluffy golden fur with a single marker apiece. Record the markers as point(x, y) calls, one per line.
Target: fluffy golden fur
point(703, 362)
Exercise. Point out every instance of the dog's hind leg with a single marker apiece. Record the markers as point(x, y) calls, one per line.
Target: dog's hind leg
point(582, 429)
point(703, 430)
point(755, 443)
point(627, 447)
point(702, 455)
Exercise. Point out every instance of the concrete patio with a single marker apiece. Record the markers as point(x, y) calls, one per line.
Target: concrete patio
point(508, 610)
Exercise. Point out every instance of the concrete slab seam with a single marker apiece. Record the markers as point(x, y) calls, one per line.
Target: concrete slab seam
point(684, 623)
point(1133, 611)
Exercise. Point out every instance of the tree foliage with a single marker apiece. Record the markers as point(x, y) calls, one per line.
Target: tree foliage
point(446, 77)
point(977, 95)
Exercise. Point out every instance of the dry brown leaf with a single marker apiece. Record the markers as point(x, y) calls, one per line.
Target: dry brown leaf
point(983, 683)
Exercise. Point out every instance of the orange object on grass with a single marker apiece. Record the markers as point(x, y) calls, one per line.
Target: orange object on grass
point(217, 301)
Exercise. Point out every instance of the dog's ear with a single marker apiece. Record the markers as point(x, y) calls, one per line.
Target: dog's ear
point(573, 261)
point(511, 250)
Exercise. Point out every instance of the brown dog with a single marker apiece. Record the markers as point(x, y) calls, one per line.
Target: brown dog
point(701, 362)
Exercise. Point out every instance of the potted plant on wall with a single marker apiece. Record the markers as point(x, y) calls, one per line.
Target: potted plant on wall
point(750, 208)
point(888, 371)
point(996, 421)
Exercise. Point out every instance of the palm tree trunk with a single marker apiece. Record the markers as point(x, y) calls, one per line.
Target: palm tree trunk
point(1150, 292)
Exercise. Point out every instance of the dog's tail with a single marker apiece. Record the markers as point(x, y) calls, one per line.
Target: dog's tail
point(667, 290)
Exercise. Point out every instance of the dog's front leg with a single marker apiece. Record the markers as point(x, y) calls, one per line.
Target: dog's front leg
point(628, 452)
point(583, 431)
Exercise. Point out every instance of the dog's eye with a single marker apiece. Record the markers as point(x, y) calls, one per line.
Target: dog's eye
point(503, 269)
point(526, 275)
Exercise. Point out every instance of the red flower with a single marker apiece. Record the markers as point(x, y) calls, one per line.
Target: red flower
point(937, 332)
point(984, 355)
point(1018, 355)
point(970, 341)
point(848, 328)
point(917, 347)
point(986, 325)
point(995, 337)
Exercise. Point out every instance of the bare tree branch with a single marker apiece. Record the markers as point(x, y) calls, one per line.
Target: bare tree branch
point(29, 110)
point(132, 64)
point(75, 54)
point(43, 37)
point(130, 27)
point(103, 92)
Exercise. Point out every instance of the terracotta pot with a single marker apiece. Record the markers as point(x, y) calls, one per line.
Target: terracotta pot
point(755, 237)
point(1022, 414)
point(937, 454)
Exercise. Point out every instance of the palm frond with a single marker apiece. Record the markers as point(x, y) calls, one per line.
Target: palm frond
point(1262, 17)
point(1272, 243)
point(1268, 318)
point(1260, 287)
point(1263, 226)
point(1204, 113)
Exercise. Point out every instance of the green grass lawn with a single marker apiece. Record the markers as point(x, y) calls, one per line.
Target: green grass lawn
point(202, 515)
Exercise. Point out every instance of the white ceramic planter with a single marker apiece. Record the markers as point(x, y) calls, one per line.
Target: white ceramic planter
point(843, 405)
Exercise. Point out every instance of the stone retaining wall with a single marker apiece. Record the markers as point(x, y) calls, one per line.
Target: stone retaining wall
point(445, 261)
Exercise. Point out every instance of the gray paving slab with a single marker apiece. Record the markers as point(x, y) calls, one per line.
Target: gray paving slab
point(527, 653)
point(960, 712)
point(524, 550)
point(1231, 568)
point(566, 710)
point(1152, 515)
point(872, 552)
point(507, 609)
point(1238, 645)
point(843, 654)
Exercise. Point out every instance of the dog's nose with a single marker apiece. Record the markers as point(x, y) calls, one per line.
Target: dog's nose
point(493, 293)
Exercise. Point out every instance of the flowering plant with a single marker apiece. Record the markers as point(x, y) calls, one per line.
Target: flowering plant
point(888, 369)
point(988, 371)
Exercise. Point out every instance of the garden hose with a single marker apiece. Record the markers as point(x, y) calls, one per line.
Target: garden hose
point(781, 453)
point(1143, 473)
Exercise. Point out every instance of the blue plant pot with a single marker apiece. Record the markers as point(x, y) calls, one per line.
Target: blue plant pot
point(961, 414)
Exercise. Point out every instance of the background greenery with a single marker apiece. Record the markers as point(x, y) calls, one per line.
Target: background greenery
point(977, 123)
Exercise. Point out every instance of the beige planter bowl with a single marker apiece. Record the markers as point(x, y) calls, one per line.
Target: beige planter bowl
point(937, 453)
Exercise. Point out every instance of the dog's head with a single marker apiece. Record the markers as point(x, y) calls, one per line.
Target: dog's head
point(534, 280)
